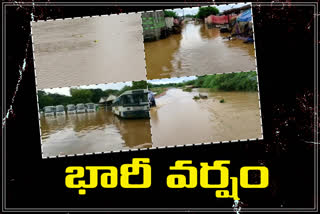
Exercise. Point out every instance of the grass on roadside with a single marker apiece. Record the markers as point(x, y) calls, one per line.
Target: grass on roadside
point(158, 90)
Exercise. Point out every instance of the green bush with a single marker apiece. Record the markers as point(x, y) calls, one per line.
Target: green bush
point(243, 81)
point(196, 97)
point(187, 89)
point(170, 14)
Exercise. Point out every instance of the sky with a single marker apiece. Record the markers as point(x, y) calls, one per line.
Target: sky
point(172, 80)
point(194, 10)
point(66, 90)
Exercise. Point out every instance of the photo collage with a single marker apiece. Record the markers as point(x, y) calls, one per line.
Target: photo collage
point(146, 80)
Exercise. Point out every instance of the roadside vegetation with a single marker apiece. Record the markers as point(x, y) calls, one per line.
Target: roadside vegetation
point(243, 81)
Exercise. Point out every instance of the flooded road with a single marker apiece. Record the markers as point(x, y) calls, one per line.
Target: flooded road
point(89, 51)
point(197, 51)
point(179, 119)
point(92, 132)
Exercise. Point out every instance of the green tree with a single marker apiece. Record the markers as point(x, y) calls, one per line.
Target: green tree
point(52, 99)
point(44, 99)
point(139, 85)
point(207, 11)
point(125, 88)
point(96, 95)
point(244, 81)
point(109, 92)
point(81, 95)
point(170, 14)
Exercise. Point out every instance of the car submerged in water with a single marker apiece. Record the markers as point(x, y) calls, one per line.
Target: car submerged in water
point(132, 104)
point(80, 108)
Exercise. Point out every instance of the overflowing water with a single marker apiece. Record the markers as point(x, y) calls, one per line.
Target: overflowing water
point(92, 132)
point(180, 119)
point(197, 51)
point(88, 51)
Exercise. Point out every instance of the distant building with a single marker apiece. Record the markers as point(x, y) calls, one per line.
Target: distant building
point(169, 22)
point(219, 21)
point(237, 11)
point(106, 102)
point(103, 101)
point(110, 99)
point(153, 23)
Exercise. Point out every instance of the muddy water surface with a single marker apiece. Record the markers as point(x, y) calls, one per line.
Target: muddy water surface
point(92, 132)
point(179, 119)
point(89, 51)
point(197, 51)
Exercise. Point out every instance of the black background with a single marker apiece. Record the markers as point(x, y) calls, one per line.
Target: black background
point(285, 55)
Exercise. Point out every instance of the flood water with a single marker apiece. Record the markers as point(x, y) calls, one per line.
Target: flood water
point(92, 132)
point(197, 51)
point(179, 119)
point(86, 51)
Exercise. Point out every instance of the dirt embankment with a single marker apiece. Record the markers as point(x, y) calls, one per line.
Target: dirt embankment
point(162, 93)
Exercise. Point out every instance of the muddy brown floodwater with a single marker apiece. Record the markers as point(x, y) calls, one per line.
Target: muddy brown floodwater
point(86, 51)
point(179, 119)
point(92, 132)
point(197, 51)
